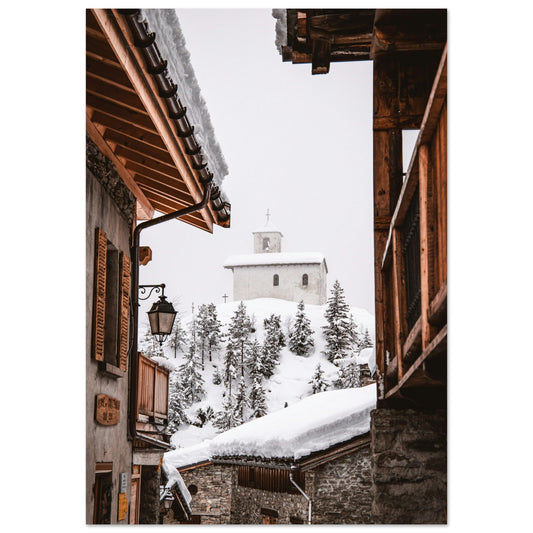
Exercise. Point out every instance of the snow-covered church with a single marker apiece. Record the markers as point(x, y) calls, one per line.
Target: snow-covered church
point(271, 273)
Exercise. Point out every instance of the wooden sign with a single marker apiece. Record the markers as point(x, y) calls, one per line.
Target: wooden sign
point(107, 410)
point(122, 506)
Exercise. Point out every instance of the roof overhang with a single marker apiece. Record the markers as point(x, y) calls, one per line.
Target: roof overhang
point(135, 117)
point(324, 36)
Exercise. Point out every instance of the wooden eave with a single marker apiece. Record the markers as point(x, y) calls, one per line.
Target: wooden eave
point(134, 116)
point(324, 36)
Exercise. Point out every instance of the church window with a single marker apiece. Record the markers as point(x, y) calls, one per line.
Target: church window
point(276, 280)
point(266, 243)
point(305, 280)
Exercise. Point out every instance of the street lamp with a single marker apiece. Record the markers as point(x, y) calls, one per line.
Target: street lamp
point(162, 313)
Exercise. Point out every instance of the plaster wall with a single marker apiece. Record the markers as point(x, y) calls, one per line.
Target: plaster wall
point(274, 242)
point(104, 443)
point(251, 282)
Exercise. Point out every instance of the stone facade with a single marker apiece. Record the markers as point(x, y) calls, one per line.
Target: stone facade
point(211, 489)
point(409, 466)
point(340, 491)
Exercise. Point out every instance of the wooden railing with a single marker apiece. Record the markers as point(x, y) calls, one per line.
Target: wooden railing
point(414, 262)
point(152, 396)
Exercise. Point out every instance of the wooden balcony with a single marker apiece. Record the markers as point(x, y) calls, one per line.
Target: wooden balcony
point(152, 401)
point(414, 268)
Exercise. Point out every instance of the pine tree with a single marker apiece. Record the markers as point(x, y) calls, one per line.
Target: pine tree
point(300, 337)
point(217, 377)
point(241, 403)
point(225, 419)
point(257, 399)
point(318, 383)
point(178, 338)
point(149, 346)
point(367, 341)
point(203, 329)
point(215, 336)
point(230, 365)
point(339, 331)
point(240, 329)
point(349, 375)
point(191, 378)
point(274, 341)
point(254, 360)
point(176, 403)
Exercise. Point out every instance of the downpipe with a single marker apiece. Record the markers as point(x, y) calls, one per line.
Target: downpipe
point(291, 478)
point(134, 359)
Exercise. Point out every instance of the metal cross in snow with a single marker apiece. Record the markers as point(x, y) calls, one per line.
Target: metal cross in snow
point(225, 297)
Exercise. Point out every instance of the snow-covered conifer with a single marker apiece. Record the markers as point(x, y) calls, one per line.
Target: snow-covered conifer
point(178, 337)
point(215, 336)
point(230, 364)
point(272, 344)
point(254, 360)
point(301, 335)
point(149, 346)
point(241, 403)
point(257, 399)
point(349, 375)
point(217, 376)
point(225, 418)
point(202, 329)
point(191, 377)
point(176, 403)
point(366, 341)
point(318, 382)
point(339, 331)
point(239, 332)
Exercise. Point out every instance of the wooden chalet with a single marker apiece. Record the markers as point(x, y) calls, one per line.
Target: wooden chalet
point(143, 157)
point(408, 48)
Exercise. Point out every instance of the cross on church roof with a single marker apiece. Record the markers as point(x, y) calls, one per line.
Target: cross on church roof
point(268, 215)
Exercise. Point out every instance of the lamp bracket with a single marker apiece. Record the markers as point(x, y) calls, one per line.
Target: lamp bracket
point(157, 288)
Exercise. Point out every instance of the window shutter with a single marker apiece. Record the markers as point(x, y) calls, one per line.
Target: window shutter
point(99, 294)
point(124, 310)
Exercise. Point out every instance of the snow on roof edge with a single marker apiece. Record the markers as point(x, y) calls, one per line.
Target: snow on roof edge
point(276, 258)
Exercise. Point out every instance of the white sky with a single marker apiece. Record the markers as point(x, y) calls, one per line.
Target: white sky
point(296, 144)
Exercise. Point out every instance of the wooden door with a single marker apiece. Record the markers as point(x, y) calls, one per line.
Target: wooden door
point(135, 494)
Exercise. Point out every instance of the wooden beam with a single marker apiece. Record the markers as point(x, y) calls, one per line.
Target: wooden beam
point(113, 93)
point(425, 281)
point(137, 119)
point(437, 313)
point(121, 41)
point(145, 210)
point(398, 283)
point(126, 128)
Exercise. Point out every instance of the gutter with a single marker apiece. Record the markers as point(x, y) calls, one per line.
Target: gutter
point(302, 493)
point(134, 298)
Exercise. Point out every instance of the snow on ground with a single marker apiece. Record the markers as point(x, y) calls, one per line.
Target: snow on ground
point(312, 424)
point(290, 382)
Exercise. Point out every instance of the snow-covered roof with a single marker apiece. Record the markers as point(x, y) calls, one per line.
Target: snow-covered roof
point(171, 44)
point(313, 424)
point(368, 356)
point(280, 258)
point(268, 228)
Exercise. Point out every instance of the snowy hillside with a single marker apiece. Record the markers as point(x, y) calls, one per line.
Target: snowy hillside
point(290, 381)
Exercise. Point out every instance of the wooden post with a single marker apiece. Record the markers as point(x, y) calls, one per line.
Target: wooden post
point(423, 187)
point(398, 281)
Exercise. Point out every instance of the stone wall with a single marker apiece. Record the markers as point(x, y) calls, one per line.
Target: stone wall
point(409, 466)
point(342, 490)
point(247, 503)
point(212, 500)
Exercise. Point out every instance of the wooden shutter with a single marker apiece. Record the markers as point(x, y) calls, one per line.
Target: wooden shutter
point(124, 310)
point(100, 268)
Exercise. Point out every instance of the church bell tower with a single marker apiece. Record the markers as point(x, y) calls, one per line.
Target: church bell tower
point(268, 238)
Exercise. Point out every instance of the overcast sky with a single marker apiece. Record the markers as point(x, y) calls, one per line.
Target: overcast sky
point(296, 144)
